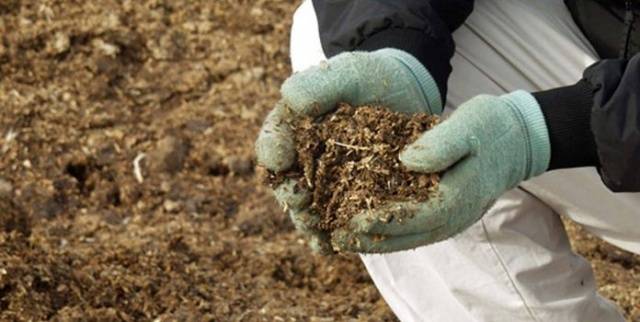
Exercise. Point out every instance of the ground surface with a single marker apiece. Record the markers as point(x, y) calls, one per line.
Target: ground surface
point(86, 88)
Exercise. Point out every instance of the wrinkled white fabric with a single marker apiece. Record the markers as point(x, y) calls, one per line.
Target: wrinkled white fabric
point(516, 264)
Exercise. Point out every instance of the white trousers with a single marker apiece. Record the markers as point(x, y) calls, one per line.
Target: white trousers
point(515, 264)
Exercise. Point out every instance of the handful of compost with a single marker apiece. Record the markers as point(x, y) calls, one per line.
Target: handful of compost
point(327, 217)
point(348, 162)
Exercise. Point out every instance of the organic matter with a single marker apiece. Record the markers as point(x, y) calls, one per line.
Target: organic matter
point(348, 159)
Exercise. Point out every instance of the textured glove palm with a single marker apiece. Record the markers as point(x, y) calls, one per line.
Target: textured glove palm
point(387, 77)
point(488, 146)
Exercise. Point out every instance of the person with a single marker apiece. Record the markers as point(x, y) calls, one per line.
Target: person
point(542, 119)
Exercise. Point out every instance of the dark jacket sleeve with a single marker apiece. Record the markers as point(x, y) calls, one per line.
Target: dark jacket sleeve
point(420, 27)
point(596, 122)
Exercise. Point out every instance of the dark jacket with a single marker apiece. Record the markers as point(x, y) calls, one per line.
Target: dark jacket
point(595, 122)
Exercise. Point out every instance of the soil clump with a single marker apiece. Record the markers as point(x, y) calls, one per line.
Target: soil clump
point(349, 160)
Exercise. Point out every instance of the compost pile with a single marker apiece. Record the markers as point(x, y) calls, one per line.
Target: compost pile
point(127, 177)
point(349, 160)
point(180, 88)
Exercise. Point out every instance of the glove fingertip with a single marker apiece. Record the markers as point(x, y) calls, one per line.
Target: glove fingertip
point(342, 241)
point(292, 195)
point(274, 150)
point(420, 159)
point(320, 245)
point(433, 153)
point(313, 92)
point(362, 222)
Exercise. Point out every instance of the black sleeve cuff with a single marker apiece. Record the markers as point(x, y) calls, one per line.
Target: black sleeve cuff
point(433, 53)
point(567, 112)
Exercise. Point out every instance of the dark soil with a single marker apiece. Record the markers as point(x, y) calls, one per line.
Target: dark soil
point(89, 87)
point(86, 88)
point(349, 160)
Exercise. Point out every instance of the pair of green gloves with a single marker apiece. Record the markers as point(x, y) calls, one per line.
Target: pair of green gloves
point(486, 147)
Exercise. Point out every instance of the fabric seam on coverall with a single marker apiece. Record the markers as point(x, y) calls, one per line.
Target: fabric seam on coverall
point(506, 271)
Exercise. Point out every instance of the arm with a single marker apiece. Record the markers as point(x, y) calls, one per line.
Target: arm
point(421, 28)
point(596, 122)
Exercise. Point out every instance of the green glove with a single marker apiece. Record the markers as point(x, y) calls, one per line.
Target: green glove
point(488, 146)
point(387, 77)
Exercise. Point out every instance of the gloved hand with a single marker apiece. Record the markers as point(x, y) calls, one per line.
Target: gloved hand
point(387, 77)
point(488, 146)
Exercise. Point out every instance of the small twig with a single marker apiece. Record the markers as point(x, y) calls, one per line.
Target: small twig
point(369, 210)
point(137, 172)
point(309, 183)
point(349, 146)
point(8, 139)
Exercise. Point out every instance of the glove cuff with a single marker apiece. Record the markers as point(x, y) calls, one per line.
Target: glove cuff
point(529, 113)
point(426, 82)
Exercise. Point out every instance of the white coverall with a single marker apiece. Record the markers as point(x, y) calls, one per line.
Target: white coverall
point(516, 263)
